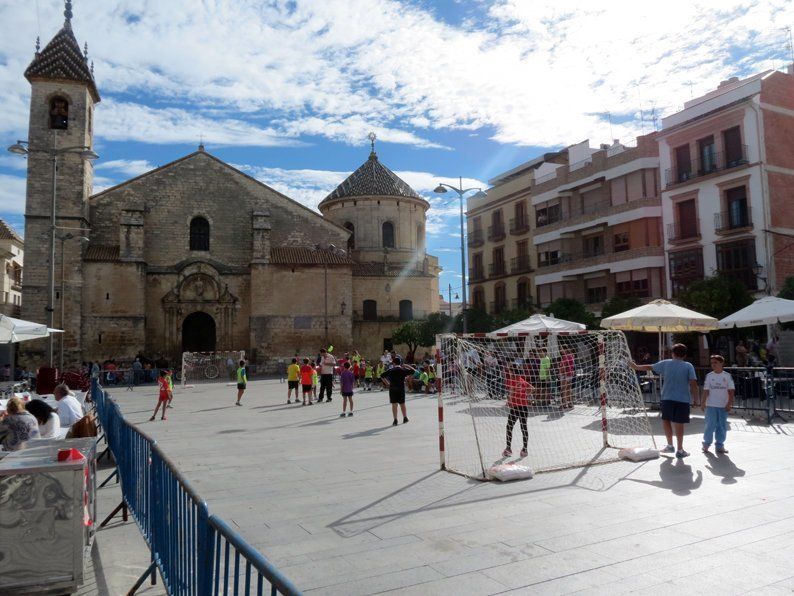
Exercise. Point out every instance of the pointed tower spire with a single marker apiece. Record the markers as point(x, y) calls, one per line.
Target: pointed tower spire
point(372, 136)
point(38, 45)
point(85, 51)
point(67, 14)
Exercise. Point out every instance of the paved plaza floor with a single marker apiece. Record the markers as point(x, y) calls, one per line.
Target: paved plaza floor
point(356, 506)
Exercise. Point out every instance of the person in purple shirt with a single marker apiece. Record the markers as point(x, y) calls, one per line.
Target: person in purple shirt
point(347, 381)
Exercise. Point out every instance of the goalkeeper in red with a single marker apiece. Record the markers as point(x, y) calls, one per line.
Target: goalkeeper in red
point(518, 389)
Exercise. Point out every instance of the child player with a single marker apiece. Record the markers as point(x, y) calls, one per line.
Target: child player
point(718, 393)
point(165, 393)
point(307, 372)
point(347, 380)
point(315, 382)
point(242, 380)
point(369, 371)
point(517, 409)
point(293, 376)
point(169, 375)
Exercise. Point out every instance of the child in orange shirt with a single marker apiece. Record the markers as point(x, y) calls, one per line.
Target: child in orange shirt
point(165, 394)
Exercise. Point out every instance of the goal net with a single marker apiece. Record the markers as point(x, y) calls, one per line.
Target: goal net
point(199, 367)
point(573, 395)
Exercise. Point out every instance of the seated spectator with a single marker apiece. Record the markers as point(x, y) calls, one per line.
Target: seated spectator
point(69, 409)
point(46, 416)
point(18, 426)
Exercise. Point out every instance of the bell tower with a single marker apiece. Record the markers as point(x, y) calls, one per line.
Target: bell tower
point(59, 183)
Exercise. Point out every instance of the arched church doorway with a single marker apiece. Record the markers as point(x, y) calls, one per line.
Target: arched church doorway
point(198, 333)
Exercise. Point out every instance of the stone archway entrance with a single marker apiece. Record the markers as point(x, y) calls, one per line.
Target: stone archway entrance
point(198, 333)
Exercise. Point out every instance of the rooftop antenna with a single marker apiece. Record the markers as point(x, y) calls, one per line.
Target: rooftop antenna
point(653, 116)
point(690, 83)
point(790, 45)
point(642, 116)
point(201, 143)
point(609, 118)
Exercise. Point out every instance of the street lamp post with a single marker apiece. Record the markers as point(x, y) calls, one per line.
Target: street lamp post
point(330, 249)
point(441, 189)
point(85, 153)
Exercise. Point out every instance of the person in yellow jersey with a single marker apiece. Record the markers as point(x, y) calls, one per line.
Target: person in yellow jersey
point(169, 376)
point(242, 380)
point(293, 377)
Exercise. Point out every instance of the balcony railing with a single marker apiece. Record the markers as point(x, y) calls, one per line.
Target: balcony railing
point(496, 232)
point(521, 303)
point(732, 221)
point(498, 307)
point(716, 162)
point(679, 233)
point(475, 238)
point(476, 274)
point(496, 269)
point(520, 264)
point(519, 225)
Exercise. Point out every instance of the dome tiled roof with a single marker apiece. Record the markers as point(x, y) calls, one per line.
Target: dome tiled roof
point(372, 179)
point(61, 59)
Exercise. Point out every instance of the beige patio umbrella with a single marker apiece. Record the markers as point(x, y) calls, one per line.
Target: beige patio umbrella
point(661, 316)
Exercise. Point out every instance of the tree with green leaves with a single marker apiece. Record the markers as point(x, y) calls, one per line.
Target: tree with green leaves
point(617, 305)
point(569, 309)
point(478, 321)
point(422, 333)
point(717, 296)
point(410, 334)
point(787, 291)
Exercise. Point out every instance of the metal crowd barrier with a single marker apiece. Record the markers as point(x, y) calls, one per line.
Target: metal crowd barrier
point(759, 392)
point(196, 552)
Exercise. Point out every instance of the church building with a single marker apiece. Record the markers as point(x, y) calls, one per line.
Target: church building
point(198, 256)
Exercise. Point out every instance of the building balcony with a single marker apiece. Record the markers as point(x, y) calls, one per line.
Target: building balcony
point(591, 211)
point(519, 225)
point(733, 222)
point(496, 232)
point(677, 233)
point(474, 238)
point(697, 168)
point(476, 274)
point(497, 269)
point(571, 260)
point(521, 304)
point(498, 307)
point(541, 221)
point(521, 264)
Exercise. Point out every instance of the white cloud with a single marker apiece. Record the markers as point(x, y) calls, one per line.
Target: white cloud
point(12, 194)
point(264, 74)
point(128, 167)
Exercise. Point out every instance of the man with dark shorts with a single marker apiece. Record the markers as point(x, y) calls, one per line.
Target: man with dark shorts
point(394, 379)
point(327, 364)
point(679, 390)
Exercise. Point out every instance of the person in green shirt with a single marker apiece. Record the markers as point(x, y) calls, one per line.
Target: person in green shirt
point(544, 375)
point(242, 380)
point(369, 371)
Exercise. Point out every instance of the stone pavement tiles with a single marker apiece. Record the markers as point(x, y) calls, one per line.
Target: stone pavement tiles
point(356, 506)
point(119, 554)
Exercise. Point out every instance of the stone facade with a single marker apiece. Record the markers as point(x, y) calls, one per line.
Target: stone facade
point(198, 256)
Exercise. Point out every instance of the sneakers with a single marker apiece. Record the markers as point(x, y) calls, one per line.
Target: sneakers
point(507, 453)
point(342, 415)
point(405, 419)
point(394, 423)
point(238, 404)
point(289, 401)
point(681, 454)
point(524, 452)
point(349, 414)
point(668, 449)
point(152, 419)
point(706, 448)
point(721, 450)
point(170, 406)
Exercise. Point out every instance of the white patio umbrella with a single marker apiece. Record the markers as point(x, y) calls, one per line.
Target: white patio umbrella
point(661, 316)
point(13, 331)
point(765, 311)
point(541, 323)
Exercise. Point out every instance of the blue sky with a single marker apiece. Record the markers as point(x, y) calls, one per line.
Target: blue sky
point(288, 90)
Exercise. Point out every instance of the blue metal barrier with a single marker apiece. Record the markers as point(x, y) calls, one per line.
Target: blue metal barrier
point(195, 552)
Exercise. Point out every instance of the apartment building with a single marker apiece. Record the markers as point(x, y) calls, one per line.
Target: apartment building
point(728, 196)
point(598, 225)
point(12, 251)
point(500, 226)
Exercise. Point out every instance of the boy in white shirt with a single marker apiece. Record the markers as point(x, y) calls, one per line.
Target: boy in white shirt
point(718, 393)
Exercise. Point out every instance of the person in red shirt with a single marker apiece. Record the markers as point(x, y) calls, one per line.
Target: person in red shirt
point(518, 389)
point(165, 394)
point(307, 370)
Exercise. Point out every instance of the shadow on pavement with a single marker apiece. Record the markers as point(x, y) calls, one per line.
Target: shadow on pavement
point(677, 478)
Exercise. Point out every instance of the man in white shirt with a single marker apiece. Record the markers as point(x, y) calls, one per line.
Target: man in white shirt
point(69, 409)
point(327, 364)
